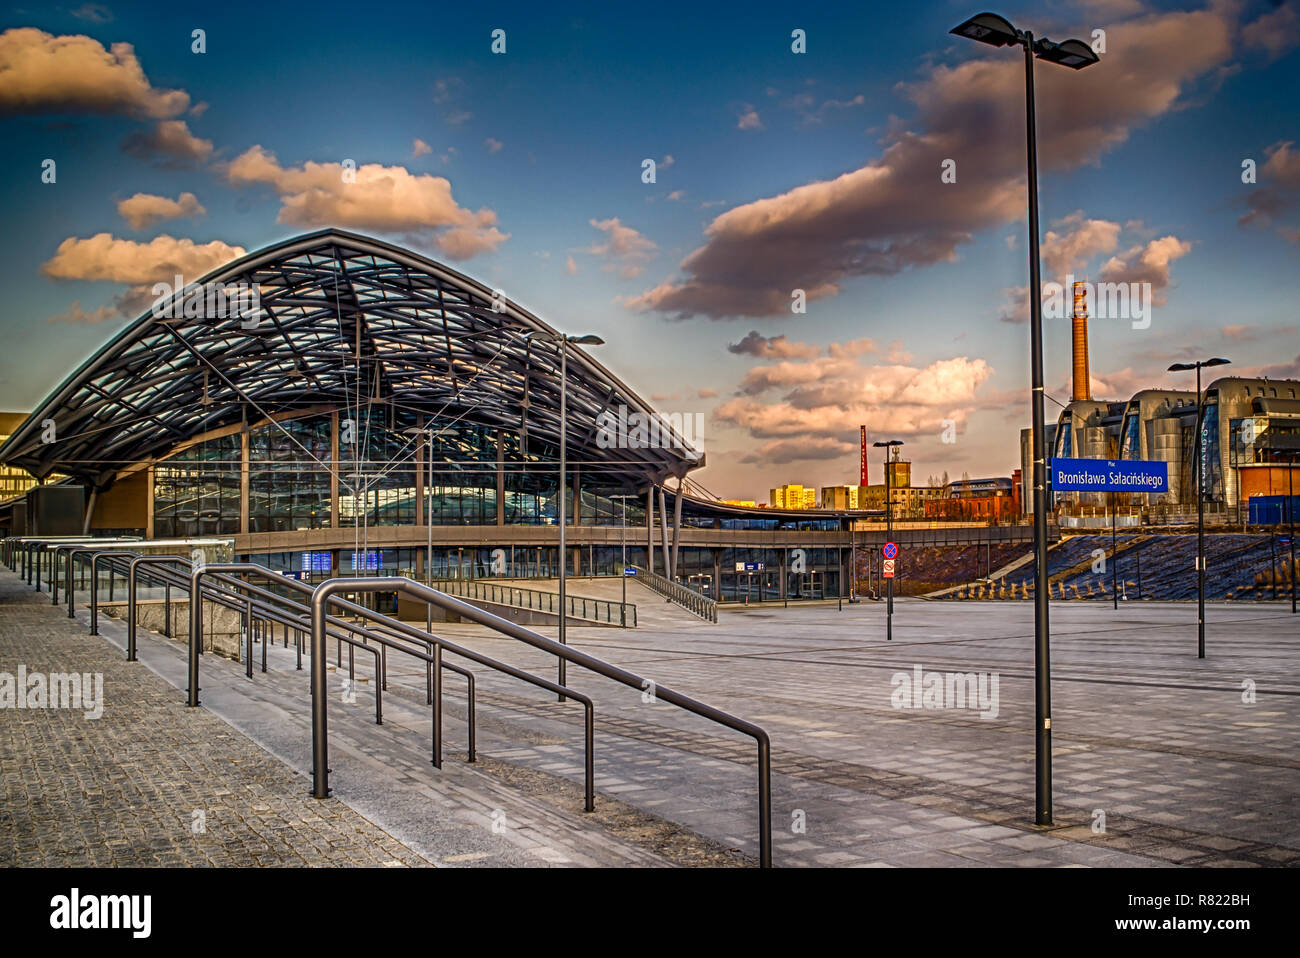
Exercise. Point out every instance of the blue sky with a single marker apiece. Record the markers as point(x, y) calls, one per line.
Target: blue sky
point(912, 282)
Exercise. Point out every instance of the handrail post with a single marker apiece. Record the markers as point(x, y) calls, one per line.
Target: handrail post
point(94, 595)
point(196, 634)
point(589, 737)
point(319, 706)
point(469, 678)
point(248, 637)
point(437, 705)
point(71, 589)
point(130, 611)
point(764, 802)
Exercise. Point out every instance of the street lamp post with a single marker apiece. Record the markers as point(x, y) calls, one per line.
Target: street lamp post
point(563, 340)
point(1200, 497)
point(623, 497)
point(428, 509)
point(889, 533)
point(1290, 518)
point(996, 31)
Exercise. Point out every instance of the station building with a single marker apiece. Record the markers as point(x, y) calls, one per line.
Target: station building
point(376, 412)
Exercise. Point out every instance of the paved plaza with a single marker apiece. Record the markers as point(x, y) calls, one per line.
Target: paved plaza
point(1160, 759)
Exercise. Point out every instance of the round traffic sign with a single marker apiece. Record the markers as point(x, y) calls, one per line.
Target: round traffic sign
point(889, 550)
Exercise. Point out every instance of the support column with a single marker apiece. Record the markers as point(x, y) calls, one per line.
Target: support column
point(245, 483)
point(501, 477)
point(148, 504)
point(419, 478)
point(334, 470)
point(90, 512)
point(663, 528)
point(577, 495)
point(650, 529)
point(677, 526)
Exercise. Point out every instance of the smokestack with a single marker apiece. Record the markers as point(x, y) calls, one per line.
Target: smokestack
point(862, 460)
point(1082, 388)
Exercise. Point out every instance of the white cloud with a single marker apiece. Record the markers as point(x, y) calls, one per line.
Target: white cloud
point(144, 209)
point(382, 198)
point(43, 73)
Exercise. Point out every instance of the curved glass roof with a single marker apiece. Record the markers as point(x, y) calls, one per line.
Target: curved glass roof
point(343, 321)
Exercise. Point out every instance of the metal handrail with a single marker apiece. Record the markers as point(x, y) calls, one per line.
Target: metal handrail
point(523, 598)
point(435, 660)
point(324, 594)
point(131, 594)
point(253, 611)
point(688, 599)
point(94, 580)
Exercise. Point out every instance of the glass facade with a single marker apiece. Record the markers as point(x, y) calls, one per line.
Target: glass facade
point(288, 476)
point(811, 573)
point(196, 492)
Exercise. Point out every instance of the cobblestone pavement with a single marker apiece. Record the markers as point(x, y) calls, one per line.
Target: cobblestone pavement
point(150, 782)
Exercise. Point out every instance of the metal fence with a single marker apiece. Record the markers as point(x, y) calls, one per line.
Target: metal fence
point(688, 599)
point(606, 611)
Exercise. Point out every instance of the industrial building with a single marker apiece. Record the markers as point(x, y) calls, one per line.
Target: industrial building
point(993, 501)
point(1250, 439)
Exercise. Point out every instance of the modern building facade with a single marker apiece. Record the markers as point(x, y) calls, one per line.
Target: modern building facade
point(793, 496)
point(13, 482)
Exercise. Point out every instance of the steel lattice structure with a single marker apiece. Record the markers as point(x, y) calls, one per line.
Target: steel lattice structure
point(344, 321)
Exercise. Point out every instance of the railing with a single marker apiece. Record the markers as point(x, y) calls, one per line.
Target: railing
point(257, 603)
point(688, 599)
point(578, 607)
point(325, 594)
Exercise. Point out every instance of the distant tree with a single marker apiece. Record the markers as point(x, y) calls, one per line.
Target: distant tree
point(965, 477)
point(933, 480)
point(944, 480)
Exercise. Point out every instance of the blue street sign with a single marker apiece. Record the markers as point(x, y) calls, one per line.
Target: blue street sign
point(629, 571)
point(1109, 475)
point(890, 550)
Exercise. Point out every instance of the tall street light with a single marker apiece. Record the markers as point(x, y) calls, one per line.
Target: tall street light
point(428, 430)
point(623, 497)
point(889, 533)
point(1200, 498)
point(994, 30)
point(563, 340)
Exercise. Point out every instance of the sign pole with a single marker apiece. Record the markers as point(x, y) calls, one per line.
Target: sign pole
point(1114, 561)
point(889, 531)
point(889, 554)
